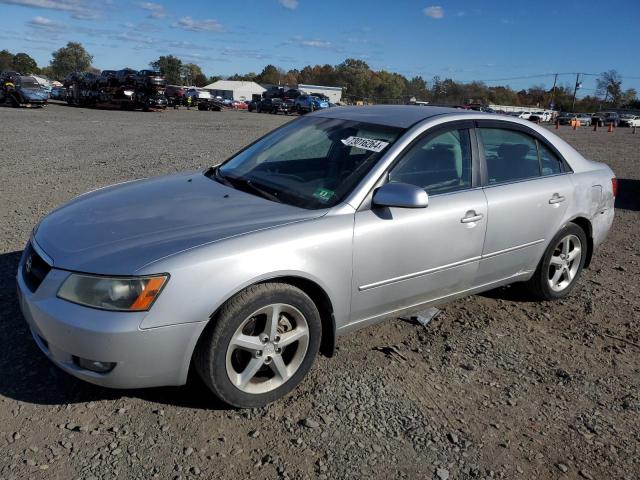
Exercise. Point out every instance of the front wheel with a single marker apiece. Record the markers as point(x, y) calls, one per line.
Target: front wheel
point(561, 265)
point(260, 345)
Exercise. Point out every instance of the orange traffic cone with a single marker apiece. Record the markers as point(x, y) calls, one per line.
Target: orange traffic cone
point(610, 130)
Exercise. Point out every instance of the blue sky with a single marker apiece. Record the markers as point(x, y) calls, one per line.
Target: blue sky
point(488, 40)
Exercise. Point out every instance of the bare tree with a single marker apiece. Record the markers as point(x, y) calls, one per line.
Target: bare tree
point(609, 86)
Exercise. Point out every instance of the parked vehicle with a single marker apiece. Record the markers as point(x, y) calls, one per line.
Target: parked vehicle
point(174, 94)
point(605, 118)
point(309, 103)
point(252, 105)
point(275, 105)
point(150, 80)
point(58, 93)
point(564, 118)
point(22, 91)
point(584, 119)
point(524, 115)
point(335, 221)
point(238, 105)
point(107, 79)
point(199, 98)
point(126, 77)
point(536, 117)
point(634, 122)
point(629, 120)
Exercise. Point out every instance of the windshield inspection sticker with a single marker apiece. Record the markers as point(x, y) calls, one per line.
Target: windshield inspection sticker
point(323, 194)
point(365, 143)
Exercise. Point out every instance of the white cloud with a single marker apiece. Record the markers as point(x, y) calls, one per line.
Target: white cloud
point(316, 43)
point(434, 11)
point(46, 24)
point(79, 9)
point(290, 4)
point(155, 9)
point(188, 23)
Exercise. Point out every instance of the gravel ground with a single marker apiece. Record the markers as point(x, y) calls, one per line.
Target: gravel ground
point(497, 386)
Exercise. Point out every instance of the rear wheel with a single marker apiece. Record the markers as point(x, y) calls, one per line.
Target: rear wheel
point(260, 345)
point(561, 265)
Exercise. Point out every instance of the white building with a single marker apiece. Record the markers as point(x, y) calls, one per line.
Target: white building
point(234, 90)
point(334, 93)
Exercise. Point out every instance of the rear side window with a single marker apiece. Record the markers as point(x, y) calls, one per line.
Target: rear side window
point(549, 162)
point(510, 155)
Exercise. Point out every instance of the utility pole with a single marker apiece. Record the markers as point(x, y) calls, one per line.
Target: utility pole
point(575, 90)
point(553, 92)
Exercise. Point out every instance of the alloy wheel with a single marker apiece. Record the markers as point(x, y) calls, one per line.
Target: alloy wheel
point(565, 263)
point(267, 348)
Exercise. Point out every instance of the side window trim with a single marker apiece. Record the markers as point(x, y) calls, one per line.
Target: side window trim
point(566, 168)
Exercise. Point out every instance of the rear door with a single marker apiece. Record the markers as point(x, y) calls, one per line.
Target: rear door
point(528, 192)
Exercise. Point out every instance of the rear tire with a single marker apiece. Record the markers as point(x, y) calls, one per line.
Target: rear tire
point(260, 345)
point(561, 265)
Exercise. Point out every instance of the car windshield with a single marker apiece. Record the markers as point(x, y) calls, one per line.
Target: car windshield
point(309, 163)
point(28, 82)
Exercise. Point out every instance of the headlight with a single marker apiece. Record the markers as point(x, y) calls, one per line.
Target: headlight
point(130, 294)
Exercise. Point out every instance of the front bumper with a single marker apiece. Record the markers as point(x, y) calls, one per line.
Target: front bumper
point(144, 357)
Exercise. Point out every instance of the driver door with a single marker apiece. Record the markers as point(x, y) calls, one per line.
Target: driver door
point(404, 257)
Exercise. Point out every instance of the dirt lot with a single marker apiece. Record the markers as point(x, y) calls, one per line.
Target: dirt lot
point(496, 387)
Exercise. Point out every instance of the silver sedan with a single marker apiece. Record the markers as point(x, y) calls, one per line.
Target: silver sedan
point(333, 222)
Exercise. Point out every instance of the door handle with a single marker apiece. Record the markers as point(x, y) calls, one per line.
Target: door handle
point(471, 216)
point(556, 199)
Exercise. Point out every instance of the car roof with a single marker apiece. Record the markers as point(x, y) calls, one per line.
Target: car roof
point(403, 116)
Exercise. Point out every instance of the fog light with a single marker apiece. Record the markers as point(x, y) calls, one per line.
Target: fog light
point(94, 365)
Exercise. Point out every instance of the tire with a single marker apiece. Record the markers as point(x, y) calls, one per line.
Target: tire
point(540, 285)
point(221, 363)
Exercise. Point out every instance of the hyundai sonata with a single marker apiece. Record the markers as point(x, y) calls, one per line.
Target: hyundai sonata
point(334, 221)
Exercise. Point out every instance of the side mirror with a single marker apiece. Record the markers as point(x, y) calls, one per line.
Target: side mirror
point(400, 195)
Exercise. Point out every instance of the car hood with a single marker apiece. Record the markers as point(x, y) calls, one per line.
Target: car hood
point(33, 94)
point(120, 229)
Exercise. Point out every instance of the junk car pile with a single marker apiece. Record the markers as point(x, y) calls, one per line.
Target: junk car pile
point(130, 89)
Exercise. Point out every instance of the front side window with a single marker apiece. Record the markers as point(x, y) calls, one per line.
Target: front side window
point(510, 155)
point(310, 162)
point(439, 163)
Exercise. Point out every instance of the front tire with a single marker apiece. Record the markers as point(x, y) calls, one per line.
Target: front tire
point(260, 345)
point(561, 265)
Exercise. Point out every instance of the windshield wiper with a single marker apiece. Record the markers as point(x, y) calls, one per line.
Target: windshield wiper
point(243, 183)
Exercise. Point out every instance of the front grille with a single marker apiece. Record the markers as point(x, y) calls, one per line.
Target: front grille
point(34, 268)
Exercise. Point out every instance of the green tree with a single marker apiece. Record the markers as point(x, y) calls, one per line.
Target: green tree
point(23, 63)
point(72, 58)
point(6, 60)
point(629, 97)
point(170, 67)
point(355, 75)
point(390, 87)
point(270, 74)
point(193, 75)
point(417, 88)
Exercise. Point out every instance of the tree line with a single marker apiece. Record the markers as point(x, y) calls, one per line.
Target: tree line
point(359, 81)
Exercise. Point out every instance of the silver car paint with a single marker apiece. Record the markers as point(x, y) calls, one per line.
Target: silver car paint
point(366, 278)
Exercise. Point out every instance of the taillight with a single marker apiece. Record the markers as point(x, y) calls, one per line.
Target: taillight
point(614, 186)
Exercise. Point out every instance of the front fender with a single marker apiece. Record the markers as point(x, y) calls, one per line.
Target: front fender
point(202, 279)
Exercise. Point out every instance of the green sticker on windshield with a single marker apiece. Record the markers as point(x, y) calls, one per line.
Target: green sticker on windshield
point(323, 194)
